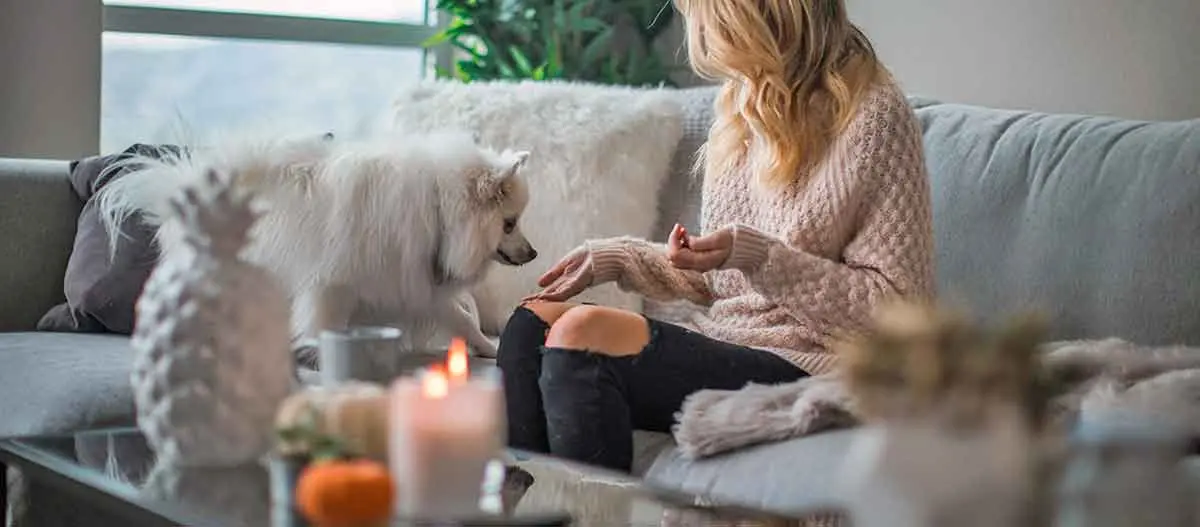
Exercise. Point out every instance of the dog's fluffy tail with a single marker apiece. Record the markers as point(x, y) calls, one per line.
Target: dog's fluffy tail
point(152, 181)
point(145, 189)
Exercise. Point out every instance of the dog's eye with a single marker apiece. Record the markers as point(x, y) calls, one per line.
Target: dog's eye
point(509, 225)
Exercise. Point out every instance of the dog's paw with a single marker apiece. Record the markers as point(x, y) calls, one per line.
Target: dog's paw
point(486, 349)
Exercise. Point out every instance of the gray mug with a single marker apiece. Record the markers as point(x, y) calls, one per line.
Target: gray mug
point(367, 353)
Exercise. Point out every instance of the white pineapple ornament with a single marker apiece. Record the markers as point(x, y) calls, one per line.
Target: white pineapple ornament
point(211, 340)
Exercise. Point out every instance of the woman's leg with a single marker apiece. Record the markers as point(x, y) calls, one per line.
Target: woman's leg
point(606, 372)
point(519, 358)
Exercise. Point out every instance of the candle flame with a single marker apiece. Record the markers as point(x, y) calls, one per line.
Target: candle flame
point(456, 359)
point(435, 385)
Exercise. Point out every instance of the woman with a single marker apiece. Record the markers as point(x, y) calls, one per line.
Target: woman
point(815, 209)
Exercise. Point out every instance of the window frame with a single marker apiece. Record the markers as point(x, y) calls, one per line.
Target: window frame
point(264, 26)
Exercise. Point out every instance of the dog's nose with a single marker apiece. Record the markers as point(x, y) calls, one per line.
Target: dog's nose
point(532, 253)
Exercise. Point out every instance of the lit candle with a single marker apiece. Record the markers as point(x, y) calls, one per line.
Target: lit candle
point(445, 426)
point(456, 361)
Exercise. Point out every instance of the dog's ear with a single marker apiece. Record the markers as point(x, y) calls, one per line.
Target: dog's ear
point(497, 185)
point(517, 160)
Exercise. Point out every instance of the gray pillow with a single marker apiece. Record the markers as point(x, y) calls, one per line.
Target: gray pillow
point(101, 292)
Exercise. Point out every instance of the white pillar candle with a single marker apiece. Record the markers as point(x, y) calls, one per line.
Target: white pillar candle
point(444, 429)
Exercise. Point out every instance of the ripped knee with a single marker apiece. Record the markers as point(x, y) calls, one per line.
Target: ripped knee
point(547, 312)
point(599, 330)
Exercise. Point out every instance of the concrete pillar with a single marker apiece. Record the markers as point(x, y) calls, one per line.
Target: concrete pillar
point(50, 78)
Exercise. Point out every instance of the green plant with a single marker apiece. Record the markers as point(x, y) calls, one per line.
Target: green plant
point(601, 41)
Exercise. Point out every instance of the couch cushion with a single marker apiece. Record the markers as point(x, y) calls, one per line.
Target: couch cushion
point(1091, 220)
point(59, 382)
point(787, 477)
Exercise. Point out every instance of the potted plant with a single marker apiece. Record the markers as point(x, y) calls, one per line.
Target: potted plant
point(599, 41)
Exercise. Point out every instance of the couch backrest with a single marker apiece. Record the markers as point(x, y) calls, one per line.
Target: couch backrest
point(38, 211)
point(679, 200)
point(1093, 221)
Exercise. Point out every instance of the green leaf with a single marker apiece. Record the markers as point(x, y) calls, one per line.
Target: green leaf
point(599, 45)
point(553, 49)
point(559, 19)
point(577, 12)
point(506, 71)
point(521, 61)
point(469, 70)
point(591, 25)
point(611, 68)
point(457, 28)
point(470, 50)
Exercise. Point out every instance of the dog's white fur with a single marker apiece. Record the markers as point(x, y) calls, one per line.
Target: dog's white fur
point(391, 230)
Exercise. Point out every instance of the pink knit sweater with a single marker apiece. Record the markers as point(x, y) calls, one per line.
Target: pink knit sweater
point(812, 261)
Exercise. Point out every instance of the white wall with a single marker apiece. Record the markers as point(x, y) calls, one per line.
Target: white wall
point(1128, 58)
point(49, 78)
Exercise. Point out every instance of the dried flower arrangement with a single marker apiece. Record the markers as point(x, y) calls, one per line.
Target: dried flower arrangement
point(917, 360)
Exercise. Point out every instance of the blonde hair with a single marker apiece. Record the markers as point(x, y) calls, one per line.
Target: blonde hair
point(794, 72)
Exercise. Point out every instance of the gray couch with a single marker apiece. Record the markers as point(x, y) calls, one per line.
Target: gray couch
point(1094, 221)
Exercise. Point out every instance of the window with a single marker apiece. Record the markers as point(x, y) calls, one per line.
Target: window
point(182, 70)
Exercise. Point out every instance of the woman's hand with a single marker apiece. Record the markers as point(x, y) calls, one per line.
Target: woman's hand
point(703, 253)
point(569, 277)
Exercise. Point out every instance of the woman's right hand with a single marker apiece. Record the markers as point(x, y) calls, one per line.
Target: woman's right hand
point(569, 277)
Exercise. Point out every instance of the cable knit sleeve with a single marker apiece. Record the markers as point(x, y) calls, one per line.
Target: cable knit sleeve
point(642, 267)
point(891, 251)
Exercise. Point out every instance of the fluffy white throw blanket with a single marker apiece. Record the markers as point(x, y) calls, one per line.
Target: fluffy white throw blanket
point(1111, 381)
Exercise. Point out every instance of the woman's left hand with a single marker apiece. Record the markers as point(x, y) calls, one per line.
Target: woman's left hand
point(699, 253)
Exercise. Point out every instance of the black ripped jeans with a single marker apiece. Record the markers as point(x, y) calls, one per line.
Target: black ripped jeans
point(584, 406)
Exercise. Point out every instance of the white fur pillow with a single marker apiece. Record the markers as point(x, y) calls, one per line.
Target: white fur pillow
point(599, 156)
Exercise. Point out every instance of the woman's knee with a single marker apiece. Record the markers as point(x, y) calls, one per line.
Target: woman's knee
point(525, 331)
point(597, 329)
point(532, 319)
point(547, 312)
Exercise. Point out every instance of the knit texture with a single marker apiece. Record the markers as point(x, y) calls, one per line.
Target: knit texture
point(810, 262)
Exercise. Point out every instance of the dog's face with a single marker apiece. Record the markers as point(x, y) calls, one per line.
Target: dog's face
point(504, 194)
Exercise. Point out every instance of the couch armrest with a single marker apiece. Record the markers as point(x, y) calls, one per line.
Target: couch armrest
point(38, 213)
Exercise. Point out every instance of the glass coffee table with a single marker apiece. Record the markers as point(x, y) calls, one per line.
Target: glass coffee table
point(115, 471)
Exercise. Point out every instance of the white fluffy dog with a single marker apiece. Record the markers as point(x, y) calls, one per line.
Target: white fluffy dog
point(386, 231)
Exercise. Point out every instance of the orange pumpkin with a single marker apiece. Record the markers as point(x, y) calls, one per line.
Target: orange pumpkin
point(345, 493)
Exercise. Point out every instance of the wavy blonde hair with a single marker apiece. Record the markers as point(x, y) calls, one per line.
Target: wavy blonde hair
point(794, 72)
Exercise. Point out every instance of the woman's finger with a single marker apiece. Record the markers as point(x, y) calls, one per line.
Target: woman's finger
point(560, 289)
point(532, 297)
point(547, 289)
point(683, 259)
point(572, 290)
point(549, 277)
point(556, 294)
point(556, 272)
point(708, 242)
point(540, 296)
point(673, 239)
point(709, 260)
